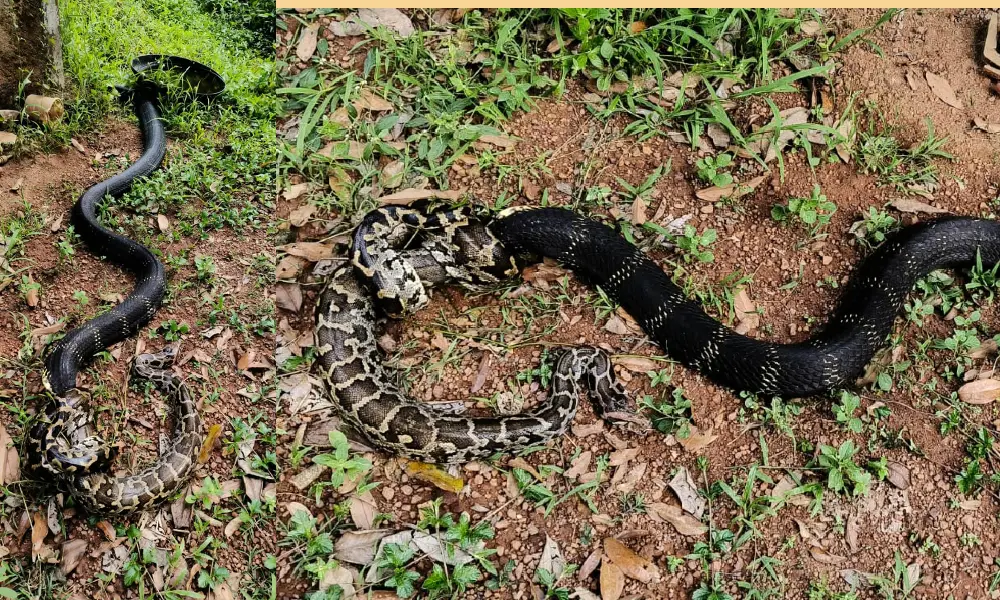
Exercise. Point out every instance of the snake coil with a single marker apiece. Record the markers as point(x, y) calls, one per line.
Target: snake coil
point(398, 253)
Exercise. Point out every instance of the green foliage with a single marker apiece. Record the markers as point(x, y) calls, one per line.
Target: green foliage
point(671, 415)
point(711, 169)
point(911, 168)
point(970, 479)
point(342, 464)
point(255, 17)
point(845, 411)
point(843, 475)
point(874, 227)
point(814, 211)
point(173, 330)
point(695, 246)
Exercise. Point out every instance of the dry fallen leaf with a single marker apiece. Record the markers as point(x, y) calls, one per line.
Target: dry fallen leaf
point(636, 364)
point(369, 101)
point(39, 529)
point(687, 492)
point(72, 554)
point(719, 136)
point(363, 510)
point(716, 193)
point(746, 312)
point(502, 141)
point(697, 440)
point(638, 211)
point(392, 174)
point(631, 564)
point(311, 251)
point(899, 475)
point(616, 325)
point(391, 18)
point(798, 115)
point(358, 547)
point(684, 523)
point(984, 349)
point(10, 465)
point(915, 206)
point(294, 191)
point(984, 391)
point(31, 297)
point(822, 556)
point(432, 546)
point(970, 505)
point(307, 42)
point(942, 89)
point(232, 526)
point(410, 195)
point(162, 222)
point(289, 267)
point(108, 530)
point(810, 27)
point(852, 533)
point(991, 128)
point(579, 465)
point(612, 581)
point(552, 559)
point(214, 431)
point(288, 296)
point(300, 215)
point(435, 476)
point(782, 492)
point(590, 565)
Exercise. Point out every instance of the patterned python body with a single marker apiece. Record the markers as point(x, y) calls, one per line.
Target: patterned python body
point(63, 442)
point(600, 256)
point(352, 368)
point(104, 493)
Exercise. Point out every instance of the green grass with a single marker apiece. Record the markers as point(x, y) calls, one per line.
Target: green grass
point(456, 83)
point(910, 168)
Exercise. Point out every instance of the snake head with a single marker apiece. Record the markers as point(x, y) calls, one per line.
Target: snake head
point(64, 439)
point(146, 364)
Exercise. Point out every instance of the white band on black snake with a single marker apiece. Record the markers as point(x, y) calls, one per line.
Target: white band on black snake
point(63, 442)
point(453, 247)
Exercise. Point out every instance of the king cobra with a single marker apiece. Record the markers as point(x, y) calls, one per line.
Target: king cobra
point(63, 442)
point(397, 253)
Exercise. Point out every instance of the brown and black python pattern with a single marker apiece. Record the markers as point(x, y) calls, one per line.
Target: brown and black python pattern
point(103, 493)
point(455, 251)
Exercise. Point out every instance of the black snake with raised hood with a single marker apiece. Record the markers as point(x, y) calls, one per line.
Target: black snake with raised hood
point(63, 442)
point(461, 249)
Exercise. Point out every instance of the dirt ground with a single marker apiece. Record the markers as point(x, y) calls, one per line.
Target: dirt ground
point(890, 517)
point(223, 364)
point(24, 49)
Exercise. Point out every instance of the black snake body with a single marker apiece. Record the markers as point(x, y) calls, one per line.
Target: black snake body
point(834, 357)
point(63, 442)
point(392, 264)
